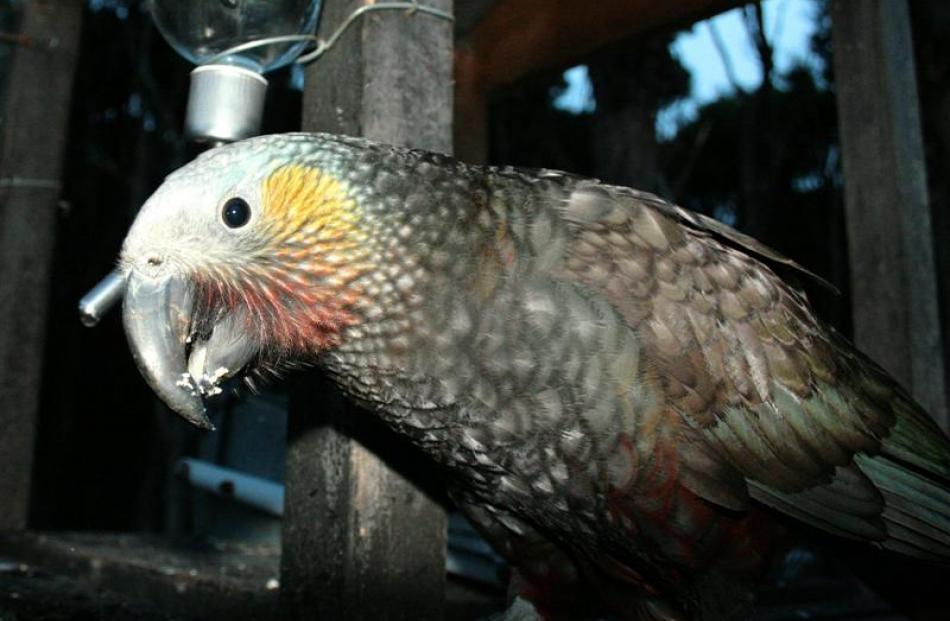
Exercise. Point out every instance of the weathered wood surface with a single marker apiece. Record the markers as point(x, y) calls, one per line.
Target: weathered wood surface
point(59, 576)
point(137, 577)
point(360, 541)
point(516, 37)
point(930, 23)
point(893, 279)
point(35, 112)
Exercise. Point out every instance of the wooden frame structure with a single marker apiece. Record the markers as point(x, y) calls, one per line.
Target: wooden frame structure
point(34, 126)
point(369, 544)
point(891, 245)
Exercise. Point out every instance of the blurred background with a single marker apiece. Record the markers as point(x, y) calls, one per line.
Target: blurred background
point(733, 116)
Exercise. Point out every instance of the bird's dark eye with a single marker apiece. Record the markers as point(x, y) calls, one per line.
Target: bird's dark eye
point(236, 212)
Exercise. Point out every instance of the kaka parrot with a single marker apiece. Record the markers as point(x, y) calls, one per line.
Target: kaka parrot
point(626, 398)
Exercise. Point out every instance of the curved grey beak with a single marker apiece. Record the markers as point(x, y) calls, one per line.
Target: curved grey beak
point(157, 314)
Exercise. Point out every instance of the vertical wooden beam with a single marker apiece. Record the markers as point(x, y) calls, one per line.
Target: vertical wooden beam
point(893, 270)
point(34, 122)
point(359, 540)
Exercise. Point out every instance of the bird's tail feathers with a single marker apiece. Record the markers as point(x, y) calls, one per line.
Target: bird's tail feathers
point(912, 472)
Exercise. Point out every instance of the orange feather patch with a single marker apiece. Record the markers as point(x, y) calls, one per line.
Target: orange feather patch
point(304, 207)
point(300, 286)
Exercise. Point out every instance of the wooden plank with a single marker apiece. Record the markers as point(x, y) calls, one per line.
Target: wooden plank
point(893, 279)
point(35, 114)
point(360, 541)
point(929, 22)
point(518, 37)
point(145, 576)
point(514, 38)
point(142, 577)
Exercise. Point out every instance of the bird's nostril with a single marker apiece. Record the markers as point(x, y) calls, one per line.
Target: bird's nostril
point(154, 261)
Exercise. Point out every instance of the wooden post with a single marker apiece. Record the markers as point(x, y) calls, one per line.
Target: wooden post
point(893, 271)
point(359, 540)
point(34, 122)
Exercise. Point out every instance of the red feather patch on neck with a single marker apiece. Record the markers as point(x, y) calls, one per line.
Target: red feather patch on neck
point(299, 319)
point(285, 315)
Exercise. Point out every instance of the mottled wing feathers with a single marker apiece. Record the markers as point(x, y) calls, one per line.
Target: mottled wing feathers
point(772, 404)
point(912, 472)
point(591, 198)
point(849, 505)
point(701, 222)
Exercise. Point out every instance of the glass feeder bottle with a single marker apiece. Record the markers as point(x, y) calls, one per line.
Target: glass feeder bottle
point(226, 98)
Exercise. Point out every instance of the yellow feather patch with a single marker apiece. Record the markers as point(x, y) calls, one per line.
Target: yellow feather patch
point(307, 208)
point(301, 285)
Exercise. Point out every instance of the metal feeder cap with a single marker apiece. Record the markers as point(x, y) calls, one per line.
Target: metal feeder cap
point(225, 103)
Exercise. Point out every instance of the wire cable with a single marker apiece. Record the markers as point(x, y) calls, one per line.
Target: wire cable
point(323, 46)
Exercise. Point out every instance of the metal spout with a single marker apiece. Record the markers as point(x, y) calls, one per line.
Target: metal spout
point(101, 298)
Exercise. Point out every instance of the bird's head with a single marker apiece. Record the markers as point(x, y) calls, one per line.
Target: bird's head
point(253, 254)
